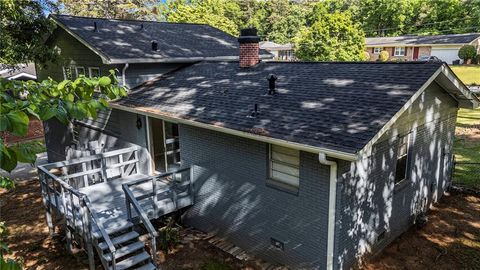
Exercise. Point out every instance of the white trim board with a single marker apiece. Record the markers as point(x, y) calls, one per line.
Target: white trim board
point(308, 148)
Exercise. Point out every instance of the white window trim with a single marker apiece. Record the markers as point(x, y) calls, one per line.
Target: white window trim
point(90, 71)
point(407, 154)
point(375, 50)
point(77, 73)
point(397, 54)
point(278, 183)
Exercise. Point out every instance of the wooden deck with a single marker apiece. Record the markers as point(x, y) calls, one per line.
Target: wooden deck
point(102, 213)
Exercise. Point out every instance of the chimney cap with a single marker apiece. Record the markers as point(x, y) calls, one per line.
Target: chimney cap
point(248, 35)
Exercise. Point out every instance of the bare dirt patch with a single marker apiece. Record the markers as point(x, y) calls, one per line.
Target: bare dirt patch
point(450, 240)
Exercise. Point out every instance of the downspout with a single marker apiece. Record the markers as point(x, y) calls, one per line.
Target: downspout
point(332, 196)
point(124, 69)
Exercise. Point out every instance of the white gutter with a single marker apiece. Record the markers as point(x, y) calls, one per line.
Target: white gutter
point(123, 73)
point(303, 147)
point(332, 196)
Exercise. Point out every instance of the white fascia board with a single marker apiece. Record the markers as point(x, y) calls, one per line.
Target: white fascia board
point(303, 147)
point(180, 59)
point(368, 147)
point(30, 76)
point(444, 70)
point(414, 45)
point(104, 58)
point(456, 85)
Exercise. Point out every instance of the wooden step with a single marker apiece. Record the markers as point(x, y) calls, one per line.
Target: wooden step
point(132, 261)
point(125, 250)
point(120, 239)
point(148, 266)
point(112, 230)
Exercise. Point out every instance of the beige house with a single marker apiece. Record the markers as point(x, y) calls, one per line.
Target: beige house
point(280, 51)
point(445, 47)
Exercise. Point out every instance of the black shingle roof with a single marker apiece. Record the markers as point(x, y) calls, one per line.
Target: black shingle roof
point(339, 106)
point(132, 40)
point(415, 40)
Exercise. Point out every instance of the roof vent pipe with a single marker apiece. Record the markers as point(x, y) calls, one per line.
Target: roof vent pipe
point(154, 45)
point(95, 28)
point(271, 84)
point(141, 26)
point(255, 112)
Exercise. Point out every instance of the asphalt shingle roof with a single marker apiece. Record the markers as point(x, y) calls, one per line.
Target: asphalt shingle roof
point(339, 106)
point(130, 39)
point(413, 40)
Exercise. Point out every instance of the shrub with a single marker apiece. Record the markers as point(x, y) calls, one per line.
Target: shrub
point(169, 235)
point(467, 52)
point(366, 56)
point(383, 56)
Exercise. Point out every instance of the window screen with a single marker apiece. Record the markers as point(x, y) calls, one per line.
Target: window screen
point(402, 158)
point(284, 165)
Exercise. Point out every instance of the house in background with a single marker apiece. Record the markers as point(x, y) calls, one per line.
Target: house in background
point(22, 72)
point(445, 47)
point(280, 51)
point(287, 161)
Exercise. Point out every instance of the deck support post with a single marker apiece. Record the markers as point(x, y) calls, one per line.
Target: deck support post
point(46, 203)
point(87, 234)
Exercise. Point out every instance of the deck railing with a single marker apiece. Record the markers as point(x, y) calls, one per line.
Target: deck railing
point(77, 213)
point(168, 190)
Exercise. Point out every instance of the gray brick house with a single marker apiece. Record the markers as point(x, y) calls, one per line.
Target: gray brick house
point(307, 164)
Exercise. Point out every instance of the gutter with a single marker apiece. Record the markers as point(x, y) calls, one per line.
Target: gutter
point(303, 147)
point(332, 196)
point(124, 69)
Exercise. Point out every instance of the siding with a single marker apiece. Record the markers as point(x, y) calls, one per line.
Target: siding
point(232, 199)
point(370, 203)
point(113, 128)
point(74, 53)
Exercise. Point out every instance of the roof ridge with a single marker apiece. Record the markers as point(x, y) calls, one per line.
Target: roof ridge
point(128, 20)
point(471, 33)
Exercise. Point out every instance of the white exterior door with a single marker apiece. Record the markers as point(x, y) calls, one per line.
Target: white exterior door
point(446, 54)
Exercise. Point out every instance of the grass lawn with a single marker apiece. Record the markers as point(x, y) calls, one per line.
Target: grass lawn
point(467, 148)
point(468, 74)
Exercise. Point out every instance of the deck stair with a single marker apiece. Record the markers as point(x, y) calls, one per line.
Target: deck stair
point(105, 203)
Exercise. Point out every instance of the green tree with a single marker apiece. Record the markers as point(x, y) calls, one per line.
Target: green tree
point(467, 53)
point(23, 32)
point(23, 26)
point(111, 9)
point(221, 14)
point(279, 20)
point(332, 37)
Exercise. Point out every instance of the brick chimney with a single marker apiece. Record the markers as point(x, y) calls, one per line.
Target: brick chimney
point(249, 47)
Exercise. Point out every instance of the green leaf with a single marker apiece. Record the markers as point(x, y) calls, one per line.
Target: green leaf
point(104, 81)
point(25, 152)
point(47, 113)
point(17, 123)
point(3, 122)
point(62, 85)
point(8, 159)
point(6, 183)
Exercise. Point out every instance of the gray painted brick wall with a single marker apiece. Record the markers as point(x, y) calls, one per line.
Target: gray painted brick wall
point(233, 200)
point(370, 203)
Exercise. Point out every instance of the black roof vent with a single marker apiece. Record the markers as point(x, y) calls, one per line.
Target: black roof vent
point(141, 26)
point(271, 84)
point(255, 112)
point(95, 27)
point(154, 45)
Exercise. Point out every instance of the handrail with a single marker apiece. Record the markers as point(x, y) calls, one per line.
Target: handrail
point(142, 215)
point(84, 202)
point(60, 181)
point(104, 233)
point(131, 200)
point(92, 157)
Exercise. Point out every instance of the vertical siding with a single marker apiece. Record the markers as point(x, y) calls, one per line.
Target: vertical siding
point(371, 203)
point(232, 199)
